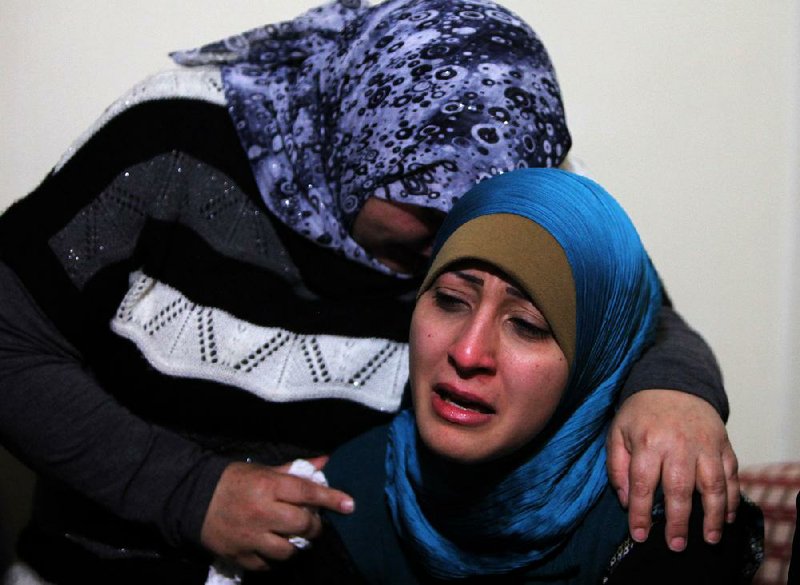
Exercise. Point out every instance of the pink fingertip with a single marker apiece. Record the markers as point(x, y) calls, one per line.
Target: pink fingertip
point(677, 544)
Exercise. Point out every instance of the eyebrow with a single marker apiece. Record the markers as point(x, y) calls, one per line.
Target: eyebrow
point(510, 289)
point(468, 277)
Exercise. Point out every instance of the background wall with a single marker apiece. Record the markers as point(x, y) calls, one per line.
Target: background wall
point(689, 112)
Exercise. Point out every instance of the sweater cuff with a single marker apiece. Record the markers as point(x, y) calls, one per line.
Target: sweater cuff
point(189, 503)
point(679, 359)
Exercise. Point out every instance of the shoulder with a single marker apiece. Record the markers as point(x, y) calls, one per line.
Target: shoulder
point(136, 130)
point(357, 467)
point(368, 534)
point(174, 111)
point(140, 138)
point(200, 84)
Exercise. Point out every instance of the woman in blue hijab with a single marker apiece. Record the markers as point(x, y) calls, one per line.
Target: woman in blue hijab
point(539, 299)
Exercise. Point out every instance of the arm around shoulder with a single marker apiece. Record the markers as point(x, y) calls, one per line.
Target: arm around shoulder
point(679, 359)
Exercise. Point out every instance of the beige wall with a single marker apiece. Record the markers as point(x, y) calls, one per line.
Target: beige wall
point(686, 110)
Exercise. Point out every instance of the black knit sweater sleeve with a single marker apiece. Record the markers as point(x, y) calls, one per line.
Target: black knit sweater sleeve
point(679, 359)
point(57, 416)
point(58, 419)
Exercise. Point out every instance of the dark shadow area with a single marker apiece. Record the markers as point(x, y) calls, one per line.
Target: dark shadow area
point(16, 490)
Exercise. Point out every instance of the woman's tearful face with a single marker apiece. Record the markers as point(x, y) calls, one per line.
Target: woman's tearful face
point(486, 371)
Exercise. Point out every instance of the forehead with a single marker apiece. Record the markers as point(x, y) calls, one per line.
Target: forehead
point(526, 251)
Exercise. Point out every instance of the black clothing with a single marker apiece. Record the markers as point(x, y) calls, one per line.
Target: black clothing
point(129, 443)
point(364, 548)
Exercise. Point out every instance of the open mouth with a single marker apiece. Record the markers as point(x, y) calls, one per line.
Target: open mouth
point(464, 401)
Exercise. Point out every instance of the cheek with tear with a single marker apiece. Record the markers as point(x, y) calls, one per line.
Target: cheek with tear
point(486, 372)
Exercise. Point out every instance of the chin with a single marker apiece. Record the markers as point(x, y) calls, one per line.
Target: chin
point(449, 445)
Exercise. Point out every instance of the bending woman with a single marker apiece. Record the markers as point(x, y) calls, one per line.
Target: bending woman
point(539, 299)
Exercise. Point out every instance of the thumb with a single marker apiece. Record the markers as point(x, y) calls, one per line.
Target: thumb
point(319, 462)
point(310, 468)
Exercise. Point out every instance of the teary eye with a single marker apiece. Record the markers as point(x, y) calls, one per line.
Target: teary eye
point(529, 330)
point(447, 301)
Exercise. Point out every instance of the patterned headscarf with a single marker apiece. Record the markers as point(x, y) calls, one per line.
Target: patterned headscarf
point(492, 518)
point(409, 100)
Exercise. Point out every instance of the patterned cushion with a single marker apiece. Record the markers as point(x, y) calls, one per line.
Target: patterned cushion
point(774, 487)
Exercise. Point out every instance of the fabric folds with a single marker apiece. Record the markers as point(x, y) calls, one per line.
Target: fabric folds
point(409, 100)
point(496, 517)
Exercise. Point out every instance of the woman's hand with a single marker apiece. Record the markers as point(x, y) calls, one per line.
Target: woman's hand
point(679, 439)
point(256, 509)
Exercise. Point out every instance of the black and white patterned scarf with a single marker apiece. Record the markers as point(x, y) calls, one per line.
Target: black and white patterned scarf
point(409, 100)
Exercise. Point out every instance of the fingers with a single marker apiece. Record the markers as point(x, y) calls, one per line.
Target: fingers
point(732, 487)
point(319, 462)
point(255, 510)
point(712, 485)
point(272, 545)
point(304, 492)
point(618, 465)
point(679, 440)
point(265, 552)
point(645, 471)
point(709, 467)
point(292, 520)
point(678, 477)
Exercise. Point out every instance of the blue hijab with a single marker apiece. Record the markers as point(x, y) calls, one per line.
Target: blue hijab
point(409, 100)
point(497, 517)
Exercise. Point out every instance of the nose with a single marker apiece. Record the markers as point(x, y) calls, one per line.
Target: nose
point(473, 350)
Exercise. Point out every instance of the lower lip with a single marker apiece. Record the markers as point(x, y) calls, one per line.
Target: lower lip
point(453, 413)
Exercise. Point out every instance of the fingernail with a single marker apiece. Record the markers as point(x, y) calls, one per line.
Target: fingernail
point(713, 537)
point(677, 544)
point(639, 534)
point(730, 518)
point(347, 506)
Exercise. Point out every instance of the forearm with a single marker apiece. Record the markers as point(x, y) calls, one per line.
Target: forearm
point(679, 359)
point(61, 422)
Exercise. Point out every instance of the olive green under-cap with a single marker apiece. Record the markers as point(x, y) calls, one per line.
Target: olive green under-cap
point(527, 253)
